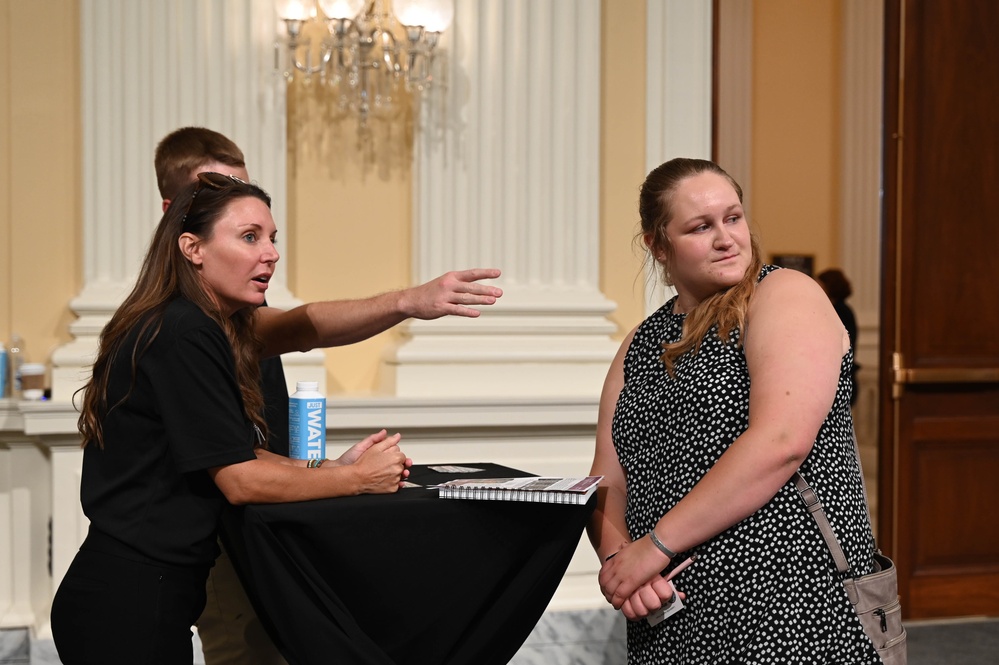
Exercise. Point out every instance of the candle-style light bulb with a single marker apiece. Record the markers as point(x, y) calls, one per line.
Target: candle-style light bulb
point(295, 10)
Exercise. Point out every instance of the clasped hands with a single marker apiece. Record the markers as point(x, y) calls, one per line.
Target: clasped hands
point(380, 460)
point(631, 580)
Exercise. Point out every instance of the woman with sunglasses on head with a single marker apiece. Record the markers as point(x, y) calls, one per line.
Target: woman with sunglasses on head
point(708, 409)
point(172, 426)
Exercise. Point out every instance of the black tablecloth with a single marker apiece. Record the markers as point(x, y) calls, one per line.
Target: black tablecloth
point(405, 578)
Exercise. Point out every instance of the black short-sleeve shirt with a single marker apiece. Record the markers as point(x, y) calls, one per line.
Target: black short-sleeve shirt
point(275, 390)
point(149, 487)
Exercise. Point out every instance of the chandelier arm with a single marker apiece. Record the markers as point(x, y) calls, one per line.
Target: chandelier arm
point(365, 64)
point(294, 30)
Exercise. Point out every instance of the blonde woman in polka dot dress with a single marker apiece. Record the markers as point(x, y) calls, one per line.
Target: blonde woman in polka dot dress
point(710, 406)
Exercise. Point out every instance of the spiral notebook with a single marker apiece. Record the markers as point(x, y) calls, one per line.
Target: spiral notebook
point(572, 491)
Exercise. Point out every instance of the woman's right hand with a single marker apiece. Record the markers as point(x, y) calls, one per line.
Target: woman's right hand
point(381, 465)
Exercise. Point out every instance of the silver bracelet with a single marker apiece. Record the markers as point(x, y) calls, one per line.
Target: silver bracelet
point(659, 545)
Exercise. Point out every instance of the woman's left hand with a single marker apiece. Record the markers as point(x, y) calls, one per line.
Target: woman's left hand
point(629, 569)
point(354, 453)
point(649, 598)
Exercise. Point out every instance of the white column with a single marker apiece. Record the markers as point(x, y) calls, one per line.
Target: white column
point(678, 92)
point(512, 182)
point(860, 201)
point(69, 524)
point(149, 68)
point(860, 194)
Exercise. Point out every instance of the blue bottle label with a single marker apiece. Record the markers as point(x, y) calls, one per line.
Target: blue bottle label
point(307, 425)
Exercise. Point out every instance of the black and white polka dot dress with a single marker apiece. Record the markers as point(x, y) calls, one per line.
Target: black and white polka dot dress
point(766, 590)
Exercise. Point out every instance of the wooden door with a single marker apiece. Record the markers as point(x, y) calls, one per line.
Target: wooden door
point(939, 404)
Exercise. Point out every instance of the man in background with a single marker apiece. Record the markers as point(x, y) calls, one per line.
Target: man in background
point(230, 631)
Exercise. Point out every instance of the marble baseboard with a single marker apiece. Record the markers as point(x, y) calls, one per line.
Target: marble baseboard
point(585, 637)
point(15, 646)
point(43, 652)
point(583, 653)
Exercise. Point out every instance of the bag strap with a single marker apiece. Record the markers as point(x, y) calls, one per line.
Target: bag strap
point(814, 506)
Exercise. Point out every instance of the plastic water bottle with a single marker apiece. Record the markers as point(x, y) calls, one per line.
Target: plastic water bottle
point(15, 359)
point(3, 370)
point(307, 422)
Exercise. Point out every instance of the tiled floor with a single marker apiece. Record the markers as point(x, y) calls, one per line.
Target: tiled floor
point(597, 637)
point(592, 637)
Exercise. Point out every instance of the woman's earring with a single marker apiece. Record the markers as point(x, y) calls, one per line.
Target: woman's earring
point(661, 260)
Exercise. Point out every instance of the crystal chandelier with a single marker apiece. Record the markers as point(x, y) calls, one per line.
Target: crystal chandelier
point(371, 63)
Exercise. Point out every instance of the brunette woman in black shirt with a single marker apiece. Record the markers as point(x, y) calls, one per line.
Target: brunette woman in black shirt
point(172, 426)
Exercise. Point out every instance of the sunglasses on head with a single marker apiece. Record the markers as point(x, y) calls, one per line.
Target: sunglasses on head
point(212, 180)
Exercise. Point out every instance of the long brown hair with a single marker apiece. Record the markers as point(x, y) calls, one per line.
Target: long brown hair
point(725, 309)
point(167, 274)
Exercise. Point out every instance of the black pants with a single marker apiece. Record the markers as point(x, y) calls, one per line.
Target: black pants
point(111, 609)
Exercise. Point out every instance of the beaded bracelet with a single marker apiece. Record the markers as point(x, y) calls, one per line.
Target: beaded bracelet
point(314, 463)
point(659, 545)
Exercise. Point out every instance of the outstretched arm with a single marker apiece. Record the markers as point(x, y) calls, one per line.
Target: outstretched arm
point(794, 345)
point(341, 322)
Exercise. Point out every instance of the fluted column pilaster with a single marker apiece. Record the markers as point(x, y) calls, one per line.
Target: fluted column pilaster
point(508, 177)
point(860, 194)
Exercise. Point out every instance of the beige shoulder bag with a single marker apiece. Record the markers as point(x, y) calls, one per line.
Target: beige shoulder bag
point(874, 596)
